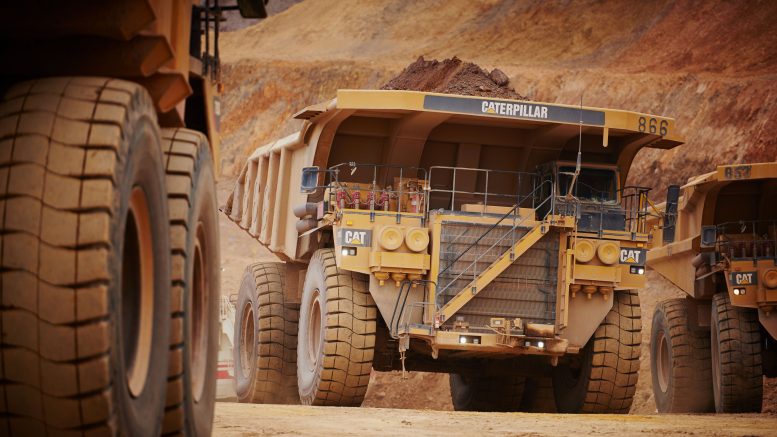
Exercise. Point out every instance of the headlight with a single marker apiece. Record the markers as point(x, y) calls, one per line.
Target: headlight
point(584, 251)
point(608, 253)
point(390, 238)
point(770, 279)
point(417, 239)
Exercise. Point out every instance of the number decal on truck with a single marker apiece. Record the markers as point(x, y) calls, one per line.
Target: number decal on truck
point(738, 172)
point(653, 125)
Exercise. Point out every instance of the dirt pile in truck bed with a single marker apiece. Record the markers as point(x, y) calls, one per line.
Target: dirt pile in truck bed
point(453, 76)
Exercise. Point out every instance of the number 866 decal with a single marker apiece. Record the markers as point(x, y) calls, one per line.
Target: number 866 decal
point(652, 125)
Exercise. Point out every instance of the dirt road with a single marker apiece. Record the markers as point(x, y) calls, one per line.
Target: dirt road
point(279, 420)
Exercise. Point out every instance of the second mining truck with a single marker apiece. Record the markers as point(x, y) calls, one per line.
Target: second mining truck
point(711, 348)
point(449, 234)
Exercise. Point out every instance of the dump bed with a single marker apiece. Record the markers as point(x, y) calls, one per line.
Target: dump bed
point(417, 129)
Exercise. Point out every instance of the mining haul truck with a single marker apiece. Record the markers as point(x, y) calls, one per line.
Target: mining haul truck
point(451, 234)
point(711, 348)
point(109, 232)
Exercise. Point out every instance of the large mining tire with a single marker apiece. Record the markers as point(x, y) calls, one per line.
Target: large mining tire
point(336, 340)
point(265, 338)
point(737, 375)
point(194, 305)
point(538, 396)
point(486, 393)
point(85, 259)
point(603, 378)
point(680, 360)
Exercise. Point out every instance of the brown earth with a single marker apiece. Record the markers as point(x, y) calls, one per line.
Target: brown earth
point(294, 420)
point(453, 76)
point(712, 65)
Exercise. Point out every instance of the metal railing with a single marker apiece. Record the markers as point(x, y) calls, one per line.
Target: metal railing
point(451, 188)
point(517, 222)
point(634, 201)
point(344, 194)
point(627, 212)
point(747, 239)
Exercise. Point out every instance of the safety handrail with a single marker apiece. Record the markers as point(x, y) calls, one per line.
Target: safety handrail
point(758, 245)
point(486, 193)
point(516, 225)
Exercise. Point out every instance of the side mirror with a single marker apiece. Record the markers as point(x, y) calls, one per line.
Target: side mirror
point(709, 236)
point(309, 182)
point(670, 213)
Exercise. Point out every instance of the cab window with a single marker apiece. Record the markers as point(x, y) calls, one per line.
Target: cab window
point(593, 184)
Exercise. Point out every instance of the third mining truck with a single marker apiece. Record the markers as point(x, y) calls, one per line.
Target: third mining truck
point(711, 348)
point(109, 266)
point(495, 240)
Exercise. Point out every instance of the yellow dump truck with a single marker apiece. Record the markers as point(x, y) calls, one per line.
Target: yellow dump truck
point(109, 238)
point(446, 233)
point(711, 349)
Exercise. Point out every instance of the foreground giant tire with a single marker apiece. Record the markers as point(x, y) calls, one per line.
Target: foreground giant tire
point(603, 378)
point(336, 340)
point(85, 259)
point(486, 393)
point(680, 360)
point(538, 396)
point(737, 375)
point(265, 338)
point(194, 328)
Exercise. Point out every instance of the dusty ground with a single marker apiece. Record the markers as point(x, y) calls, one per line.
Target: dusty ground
point(255, 420)
point(712, 65)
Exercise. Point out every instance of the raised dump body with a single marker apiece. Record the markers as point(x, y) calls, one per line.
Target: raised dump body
point(718, 245)
point(482, 237)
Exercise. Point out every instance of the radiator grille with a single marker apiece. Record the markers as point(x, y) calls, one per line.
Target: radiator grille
point(526, 289)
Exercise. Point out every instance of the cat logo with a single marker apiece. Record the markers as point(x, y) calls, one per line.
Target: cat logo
point(744, 278)
point(355, 237)
point(633, 256)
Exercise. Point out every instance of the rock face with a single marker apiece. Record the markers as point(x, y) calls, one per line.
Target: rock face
point(453, 76)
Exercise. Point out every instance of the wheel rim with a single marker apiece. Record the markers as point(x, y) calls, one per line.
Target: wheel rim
point(662, 362)
point(314, 330)
point(715, 365)
point(247, 339)
point(199, 315)
point(137, 294)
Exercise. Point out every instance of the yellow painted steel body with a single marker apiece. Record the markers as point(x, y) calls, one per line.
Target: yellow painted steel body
point(730, 194)
point(424, 131)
